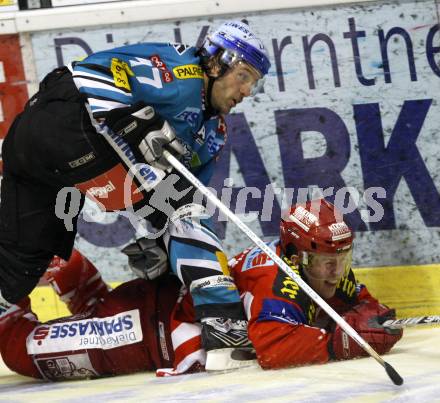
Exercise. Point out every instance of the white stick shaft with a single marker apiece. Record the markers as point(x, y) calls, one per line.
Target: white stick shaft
point(309, 291)
point(407, 322)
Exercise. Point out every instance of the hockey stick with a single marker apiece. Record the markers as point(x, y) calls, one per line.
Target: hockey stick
point(408, 322)
point(139, 170)
point(392, 373)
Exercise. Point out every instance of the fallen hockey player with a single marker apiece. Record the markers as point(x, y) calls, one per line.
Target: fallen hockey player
point(149, 325)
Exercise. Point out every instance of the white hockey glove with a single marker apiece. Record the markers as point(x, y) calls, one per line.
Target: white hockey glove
point(155, 141)
point(146, 132)
point(146, 258)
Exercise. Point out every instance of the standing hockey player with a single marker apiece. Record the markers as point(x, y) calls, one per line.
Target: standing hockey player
point(139, 326)
point(146, 97)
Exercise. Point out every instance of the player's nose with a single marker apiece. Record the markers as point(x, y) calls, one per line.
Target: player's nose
point(333, 268)
point(245, 91)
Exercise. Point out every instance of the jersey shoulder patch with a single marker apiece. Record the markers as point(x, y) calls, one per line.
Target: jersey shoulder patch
point(255, 258)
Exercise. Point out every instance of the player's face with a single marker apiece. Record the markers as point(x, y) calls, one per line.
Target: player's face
point(325, 271)
point(230, 89)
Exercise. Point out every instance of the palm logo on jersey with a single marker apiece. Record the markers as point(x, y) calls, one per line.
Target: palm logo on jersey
point(188, 71)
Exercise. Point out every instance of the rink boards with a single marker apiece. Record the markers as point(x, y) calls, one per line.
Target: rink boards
point(412, 291)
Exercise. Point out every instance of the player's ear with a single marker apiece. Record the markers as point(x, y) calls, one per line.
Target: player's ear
point(215, 71)
point(294, 259)
point(292, 253)
point(214, 67)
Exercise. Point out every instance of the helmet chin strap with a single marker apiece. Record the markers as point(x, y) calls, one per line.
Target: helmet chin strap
point(210, 110)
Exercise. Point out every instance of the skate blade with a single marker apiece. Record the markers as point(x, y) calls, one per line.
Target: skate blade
point(229, 358)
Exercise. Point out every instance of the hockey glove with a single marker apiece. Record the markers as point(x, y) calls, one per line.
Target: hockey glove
point(146, 258)
point(146, 132)
point(366, 318)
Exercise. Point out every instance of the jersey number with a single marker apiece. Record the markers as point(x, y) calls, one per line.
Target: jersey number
point(156, 80)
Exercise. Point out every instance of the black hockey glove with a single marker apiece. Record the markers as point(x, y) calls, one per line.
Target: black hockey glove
point(146, 132)
point(146, 258)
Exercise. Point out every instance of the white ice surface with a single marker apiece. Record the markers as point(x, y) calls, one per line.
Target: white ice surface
point(416, 358)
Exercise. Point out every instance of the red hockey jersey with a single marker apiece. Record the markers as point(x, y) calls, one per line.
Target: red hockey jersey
point(286, 327)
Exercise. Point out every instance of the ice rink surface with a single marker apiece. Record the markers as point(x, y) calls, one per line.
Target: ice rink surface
point(416, 357)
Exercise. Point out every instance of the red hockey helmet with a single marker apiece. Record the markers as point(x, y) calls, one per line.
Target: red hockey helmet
point(315, 226)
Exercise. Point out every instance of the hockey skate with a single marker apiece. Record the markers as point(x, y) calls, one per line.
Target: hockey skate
point(226, 343)
point(77, 282)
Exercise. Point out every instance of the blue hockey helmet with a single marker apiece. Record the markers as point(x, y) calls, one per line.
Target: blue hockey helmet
point(238, 44)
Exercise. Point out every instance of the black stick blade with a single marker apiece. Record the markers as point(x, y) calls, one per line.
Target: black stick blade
point(394, 376)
